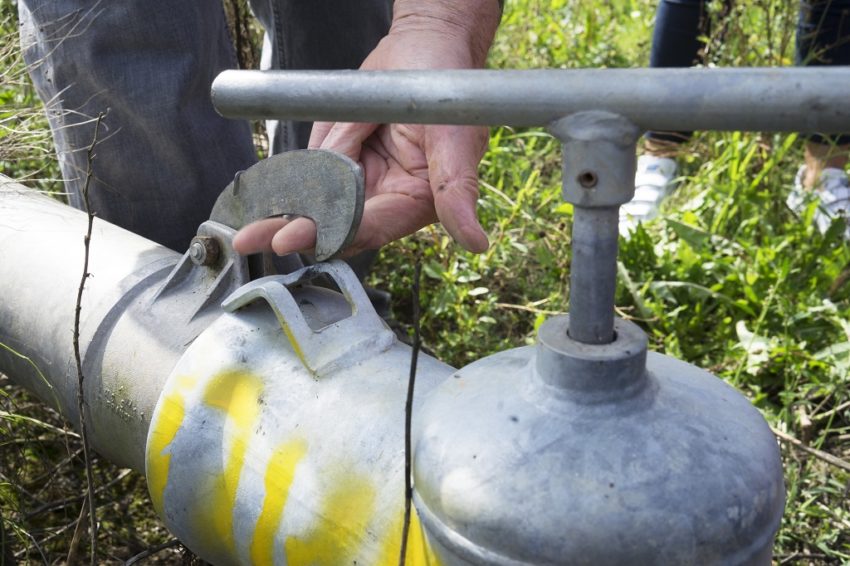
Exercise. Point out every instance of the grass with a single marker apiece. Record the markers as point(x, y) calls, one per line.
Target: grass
point(728, 279)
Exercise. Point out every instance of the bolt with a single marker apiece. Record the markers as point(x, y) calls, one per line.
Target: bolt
point(587, 179)
point(203, 250)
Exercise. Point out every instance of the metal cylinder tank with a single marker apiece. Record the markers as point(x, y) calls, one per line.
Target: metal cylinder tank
point(571, 453)
point(271, 430)
point(281, 441)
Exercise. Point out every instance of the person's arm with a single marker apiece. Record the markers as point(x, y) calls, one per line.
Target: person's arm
point(415, 175)
point(467, 27)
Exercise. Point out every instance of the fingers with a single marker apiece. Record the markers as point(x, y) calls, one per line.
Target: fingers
point(343, 137)
point(453, 156)
point(386, 218)
point(318, 134)
point(257, 236)
point(278, 235)
point(297, 236)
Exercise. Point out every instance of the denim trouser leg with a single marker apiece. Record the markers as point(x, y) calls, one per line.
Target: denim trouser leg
point(675, 37)
point(164, 154)
point(319, 34)
point(823, 38)
point(676, 43)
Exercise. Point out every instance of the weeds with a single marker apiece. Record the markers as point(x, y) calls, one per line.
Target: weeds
point(728, 279)
point(26, 151)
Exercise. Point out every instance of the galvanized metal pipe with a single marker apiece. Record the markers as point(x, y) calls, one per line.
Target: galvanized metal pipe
point(593, 275)
point(754, 99)
point(125, 358)
point(133, 330)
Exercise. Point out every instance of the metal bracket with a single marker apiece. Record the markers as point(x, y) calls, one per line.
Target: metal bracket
point(207, 272)
point(599, 158)
point(334, 346)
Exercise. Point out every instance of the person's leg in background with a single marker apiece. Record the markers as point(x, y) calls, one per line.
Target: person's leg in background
point(164, 154)
point(823, 38)
point(676, 42)
point(317, 35)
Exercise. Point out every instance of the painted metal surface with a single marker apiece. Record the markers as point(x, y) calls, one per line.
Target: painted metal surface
point(751, 99)
point(279, 436)
point(267, 443)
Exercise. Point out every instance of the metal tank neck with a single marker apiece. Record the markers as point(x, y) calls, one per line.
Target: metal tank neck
point(588, 355)
point(590, 373)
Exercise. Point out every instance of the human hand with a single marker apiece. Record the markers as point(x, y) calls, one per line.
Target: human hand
point(415, 175)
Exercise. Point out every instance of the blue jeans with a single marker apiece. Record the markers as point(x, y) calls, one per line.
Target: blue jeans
point(823, 38)
point(164, 154)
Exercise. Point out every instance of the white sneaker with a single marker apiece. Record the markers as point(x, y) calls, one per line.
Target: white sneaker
point(653, 182)
point(833, 193)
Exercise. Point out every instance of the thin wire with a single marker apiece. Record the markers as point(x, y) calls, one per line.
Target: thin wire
point(408, 413)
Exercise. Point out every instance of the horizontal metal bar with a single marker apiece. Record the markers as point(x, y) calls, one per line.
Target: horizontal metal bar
point(812, 99)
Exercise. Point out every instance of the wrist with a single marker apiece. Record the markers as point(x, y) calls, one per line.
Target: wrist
point(472, 23)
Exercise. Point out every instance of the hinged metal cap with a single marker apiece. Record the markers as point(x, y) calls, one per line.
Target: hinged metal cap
point(325, 186)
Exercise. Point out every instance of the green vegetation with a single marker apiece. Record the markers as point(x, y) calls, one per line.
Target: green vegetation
point(728, 279)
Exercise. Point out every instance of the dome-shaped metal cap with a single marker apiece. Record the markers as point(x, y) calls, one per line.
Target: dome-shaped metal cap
point(516, 463)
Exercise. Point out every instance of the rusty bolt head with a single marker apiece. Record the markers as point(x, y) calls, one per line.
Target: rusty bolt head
point(203, 250)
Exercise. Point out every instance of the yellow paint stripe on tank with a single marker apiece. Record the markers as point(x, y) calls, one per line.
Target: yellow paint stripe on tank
point(172, 411)
point(418, 551)
point(278, 479)
point(293, 342)
point(341, 526)
point(236, 394)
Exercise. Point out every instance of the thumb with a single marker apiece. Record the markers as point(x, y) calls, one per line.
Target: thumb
point(453, 154)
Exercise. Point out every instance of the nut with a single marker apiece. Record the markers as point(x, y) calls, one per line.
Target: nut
point(203, 250)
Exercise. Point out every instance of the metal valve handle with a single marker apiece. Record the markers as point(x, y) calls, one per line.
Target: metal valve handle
point(753, 99)
point(597, 115)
